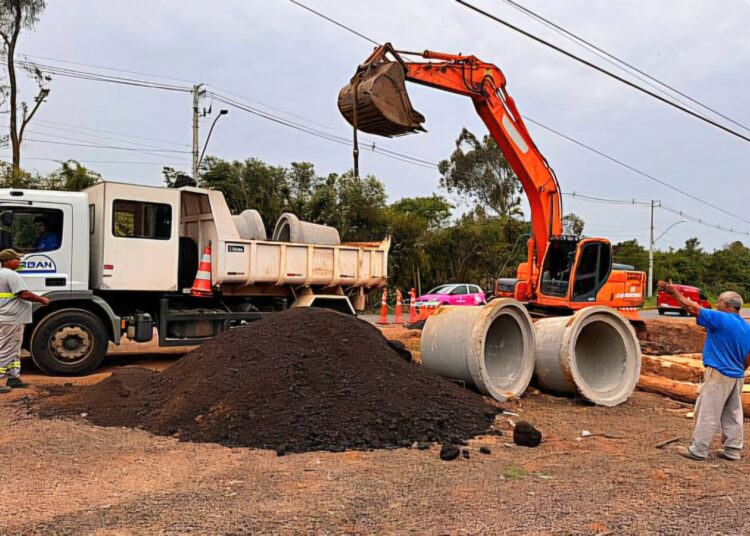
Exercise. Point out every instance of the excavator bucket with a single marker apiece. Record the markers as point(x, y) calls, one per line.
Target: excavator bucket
point(382, 103)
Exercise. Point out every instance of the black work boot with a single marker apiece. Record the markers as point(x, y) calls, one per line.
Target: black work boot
point(4, 390)
point(16, 383)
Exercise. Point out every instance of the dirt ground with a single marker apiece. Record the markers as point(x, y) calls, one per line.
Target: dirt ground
point(66, 476)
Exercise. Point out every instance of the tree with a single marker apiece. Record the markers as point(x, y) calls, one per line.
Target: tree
point(412, 222)
point(632, 253)
point(71, 177)
point(17, 15)
point(479, 172)
point(573, 225)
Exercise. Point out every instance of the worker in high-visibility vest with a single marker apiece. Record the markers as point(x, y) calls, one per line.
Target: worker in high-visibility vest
point(15, 311)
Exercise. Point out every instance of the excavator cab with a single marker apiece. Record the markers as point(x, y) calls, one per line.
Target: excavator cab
point(575, 270)
point(376, 100)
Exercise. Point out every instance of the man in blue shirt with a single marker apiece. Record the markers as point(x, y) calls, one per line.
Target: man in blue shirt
point(726, 355)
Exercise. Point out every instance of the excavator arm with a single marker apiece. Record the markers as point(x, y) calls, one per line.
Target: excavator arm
point(383, 108)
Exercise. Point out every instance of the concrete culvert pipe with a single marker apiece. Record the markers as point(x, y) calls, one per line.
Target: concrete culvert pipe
point(289, 228)
point(491, 347)
point(250, 225)
point(594, 353)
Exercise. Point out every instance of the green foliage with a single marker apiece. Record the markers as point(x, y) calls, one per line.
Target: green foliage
point(478, 172)
point(573, 225)
point(71, 176)
point(724, 269)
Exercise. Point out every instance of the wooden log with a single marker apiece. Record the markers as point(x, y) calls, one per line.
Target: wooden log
point(684, 391)
point(673, 370)
point(684, 367)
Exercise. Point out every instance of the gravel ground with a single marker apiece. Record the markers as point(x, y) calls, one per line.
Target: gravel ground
point(70, 477)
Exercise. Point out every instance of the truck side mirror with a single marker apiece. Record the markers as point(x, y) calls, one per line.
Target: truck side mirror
point(6, 217)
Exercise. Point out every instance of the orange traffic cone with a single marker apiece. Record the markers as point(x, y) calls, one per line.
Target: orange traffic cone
point(384, 307)
point(412, 306)
point(399, 304)
point(202, 284)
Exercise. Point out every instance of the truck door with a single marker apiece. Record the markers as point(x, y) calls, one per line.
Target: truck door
point(42, 232)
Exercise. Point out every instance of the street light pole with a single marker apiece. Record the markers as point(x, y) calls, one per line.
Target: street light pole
point(205, 145)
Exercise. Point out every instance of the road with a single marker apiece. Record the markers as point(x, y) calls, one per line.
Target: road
point(646, 313)
point(653, 313)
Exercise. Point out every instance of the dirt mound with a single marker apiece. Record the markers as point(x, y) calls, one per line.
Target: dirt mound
point(300, 380)
point(669, 337)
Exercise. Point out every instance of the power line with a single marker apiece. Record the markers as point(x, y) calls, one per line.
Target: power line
point(614, 60)
point(336, 23)
point(606, 200)
point(114, 69)
point(121, 134)
point(568, 138)
point(98, 146)
point(98, 77)
point(635, 170)
point(86, 161)
point(402, 157)
point(603, 71)
point(681, 213)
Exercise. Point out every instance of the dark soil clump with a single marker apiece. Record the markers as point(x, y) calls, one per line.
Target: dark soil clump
point(525, 435)
point(449, 452)
point(300, 380)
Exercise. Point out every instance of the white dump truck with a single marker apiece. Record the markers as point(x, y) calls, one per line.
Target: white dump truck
point(120, 259)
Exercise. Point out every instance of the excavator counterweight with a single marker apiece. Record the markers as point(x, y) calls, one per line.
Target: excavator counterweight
point(382, 103)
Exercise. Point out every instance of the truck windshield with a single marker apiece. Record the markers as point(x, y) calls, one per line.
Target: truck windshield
point(30, 230)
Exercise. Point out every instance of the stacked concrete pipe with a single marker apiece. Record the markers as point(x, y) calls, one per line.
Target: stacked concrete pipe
point(594, 353)
point(250, 225)
point(491, 347)
point(289, 228)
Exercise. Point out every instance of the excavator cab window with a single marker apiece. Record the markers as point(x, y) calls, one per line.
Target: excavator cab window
point(557, 267)
point(594, 266)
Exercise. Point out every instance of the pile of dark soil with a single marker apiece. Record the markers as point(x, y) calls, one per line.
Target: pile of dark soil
point(670, 337)
point(300, 380)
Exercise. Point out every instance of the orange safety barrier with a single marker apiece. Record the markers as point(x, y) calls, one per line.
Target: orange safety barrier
point(412, 306)
point(399, 305)
point(384, 308)
point(202, 284)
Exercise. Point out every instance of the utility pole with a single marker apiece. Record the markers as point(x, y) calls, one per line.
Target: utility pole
point(197, 93)
point(650, 288)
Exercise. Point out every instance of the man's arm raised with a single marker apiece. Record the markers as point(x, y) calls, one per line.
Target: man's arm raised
point(686, 303)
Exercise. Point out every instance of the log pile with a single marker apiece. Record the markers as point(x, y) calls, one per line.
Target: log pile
point(678, 377)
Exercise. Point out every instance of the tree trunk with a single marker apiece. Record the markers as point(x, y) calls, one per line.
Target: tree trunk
point(11, 52)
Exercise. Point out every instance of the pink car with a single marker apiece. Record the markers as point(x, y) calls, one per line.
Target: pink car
point(454, 294)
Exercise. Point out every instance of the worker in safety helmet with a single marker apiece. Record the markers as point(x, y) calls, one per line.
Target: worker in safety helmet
point(726, 356)
point(15, 311)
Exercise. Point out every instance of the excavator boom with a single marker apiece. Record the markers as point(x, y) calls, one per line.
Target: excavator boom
point(383, 108)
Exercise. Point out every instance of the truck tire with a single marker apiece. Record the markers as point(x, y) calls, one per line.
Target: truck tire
point(661, 311)
point(69, 342)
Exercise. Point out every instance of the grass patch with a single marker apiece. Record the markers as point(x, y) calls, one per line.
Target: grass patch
point(514, 472)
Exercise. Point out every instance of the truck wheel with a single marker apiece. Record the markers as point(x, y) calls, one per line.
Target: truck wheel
point(661, 311)
point(69, 342)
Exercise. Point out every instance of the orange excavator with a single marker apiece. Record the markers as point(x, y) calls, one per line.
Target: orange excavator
point(563, 273)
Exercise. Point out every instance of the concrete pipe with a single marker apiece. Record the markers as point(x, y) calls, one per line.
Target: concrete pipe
point(491, 347)
point(290, 229)
point(594, 353)
point(250, 225)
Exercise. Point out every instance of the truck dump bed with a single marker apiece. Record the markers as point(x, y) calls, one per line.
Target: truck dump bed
point(251, 262)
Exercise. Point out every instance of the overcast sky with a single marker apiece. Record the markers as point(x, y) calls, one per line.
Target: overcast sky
point(273, 53)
